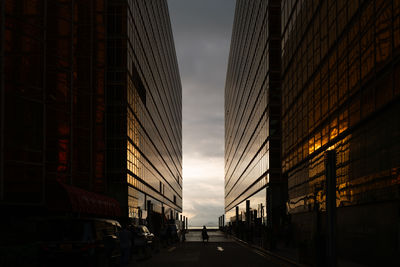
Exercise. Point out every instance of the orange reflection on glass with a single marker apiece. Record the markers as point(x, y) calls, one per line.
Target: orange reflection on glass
point(62, 155)
point(325, 135)
point(343, 124)
point(317, 141)
point(305, 150)
point(395, 173)
point(311, 145)
point(334, 130)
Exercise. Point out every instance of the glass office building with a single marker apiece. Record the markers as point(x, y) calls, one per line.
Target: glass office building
point(52, 98)
point(252, 116)
point(340, 90)
point(90, 97)
point(144, 109)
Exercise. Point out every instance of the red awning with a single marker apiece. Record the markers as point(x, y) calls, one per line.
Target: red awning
point(85, 202)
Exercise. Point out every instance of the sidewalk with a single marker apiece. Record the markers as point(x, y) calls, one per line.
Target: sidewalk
point(288, 255)
point(291, 255)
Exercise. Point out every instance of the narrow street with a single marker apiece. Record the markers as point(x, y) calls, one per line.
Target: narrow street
point(219, 251)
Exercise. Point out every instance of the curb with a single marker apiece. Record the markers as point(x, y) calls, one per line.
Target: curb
point(269, 253)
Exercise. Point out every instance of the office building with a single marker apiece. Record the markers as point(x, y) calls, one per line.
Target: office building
point(340, 91)
point(52, 98)
point(144, 109)
point(252, 117)
point(90, 98)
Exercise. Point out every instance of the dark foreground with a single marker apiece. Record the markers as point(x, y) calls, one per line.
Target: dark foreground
point(219, 251)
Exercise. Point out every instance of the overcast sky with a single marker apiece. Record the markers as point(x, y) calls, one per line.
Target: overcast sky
point(202, 33)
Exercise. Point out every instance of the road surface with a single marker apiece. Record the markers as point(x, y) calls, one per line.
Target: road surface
point(219, 251)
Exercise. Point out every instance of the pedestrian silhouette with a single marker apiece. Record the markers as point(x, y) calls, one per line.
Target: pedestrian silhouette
point(204, 233)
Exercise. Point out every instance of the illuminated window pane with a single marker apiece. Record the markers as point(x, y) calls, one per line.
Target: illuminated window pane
point(333, 128)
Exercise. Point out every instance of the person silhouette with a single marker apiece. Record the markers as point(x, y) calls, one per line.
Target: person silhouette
point(204, 233)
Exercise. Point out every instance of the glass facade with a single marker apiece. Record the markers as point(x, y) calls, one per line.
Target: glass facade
point(340, 90)
point(252, 111)
point(52, 97)
point(90, 96)
point(144, 100)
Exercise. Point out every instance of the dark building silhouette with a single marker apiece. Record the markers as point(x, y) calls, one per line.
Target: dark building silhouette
point(252, 117)
point(91, 98)
point(52, 97)
point(340, 90)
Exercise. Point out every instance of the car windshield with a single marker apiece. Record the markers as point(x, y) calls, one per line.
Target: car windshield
point(65, 230)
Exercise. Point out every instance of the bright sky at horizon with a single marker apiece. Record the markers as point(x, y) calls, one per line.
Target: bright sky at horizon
point(202, 33)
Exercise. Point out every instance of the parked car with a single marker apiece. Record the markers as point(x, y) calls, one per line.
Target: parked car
point(143, 239)
point(79, 241)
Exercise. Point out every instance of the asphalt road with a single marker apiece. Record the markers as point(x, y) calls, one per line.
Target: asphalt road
point(220, 251)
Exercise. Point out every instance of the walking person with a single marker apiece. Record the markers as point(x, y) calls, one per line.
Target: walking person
point(204, 233)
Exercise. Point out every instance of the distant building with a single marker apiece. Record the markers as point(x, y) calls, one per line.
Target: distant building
point(252, 117)
point(90, 97)
point(340, 90)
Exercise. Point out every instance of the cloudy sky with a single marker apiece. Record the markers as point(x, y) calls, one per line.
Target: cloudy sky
point(202, 32)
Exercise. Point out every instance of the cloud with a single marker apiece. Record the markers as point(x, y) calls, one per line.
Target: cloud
point(211, 17)
point(202, 32)
point(203, 190)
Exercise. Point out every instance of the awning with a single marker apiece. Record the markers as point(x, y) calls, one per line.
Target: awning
point(74, 199)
